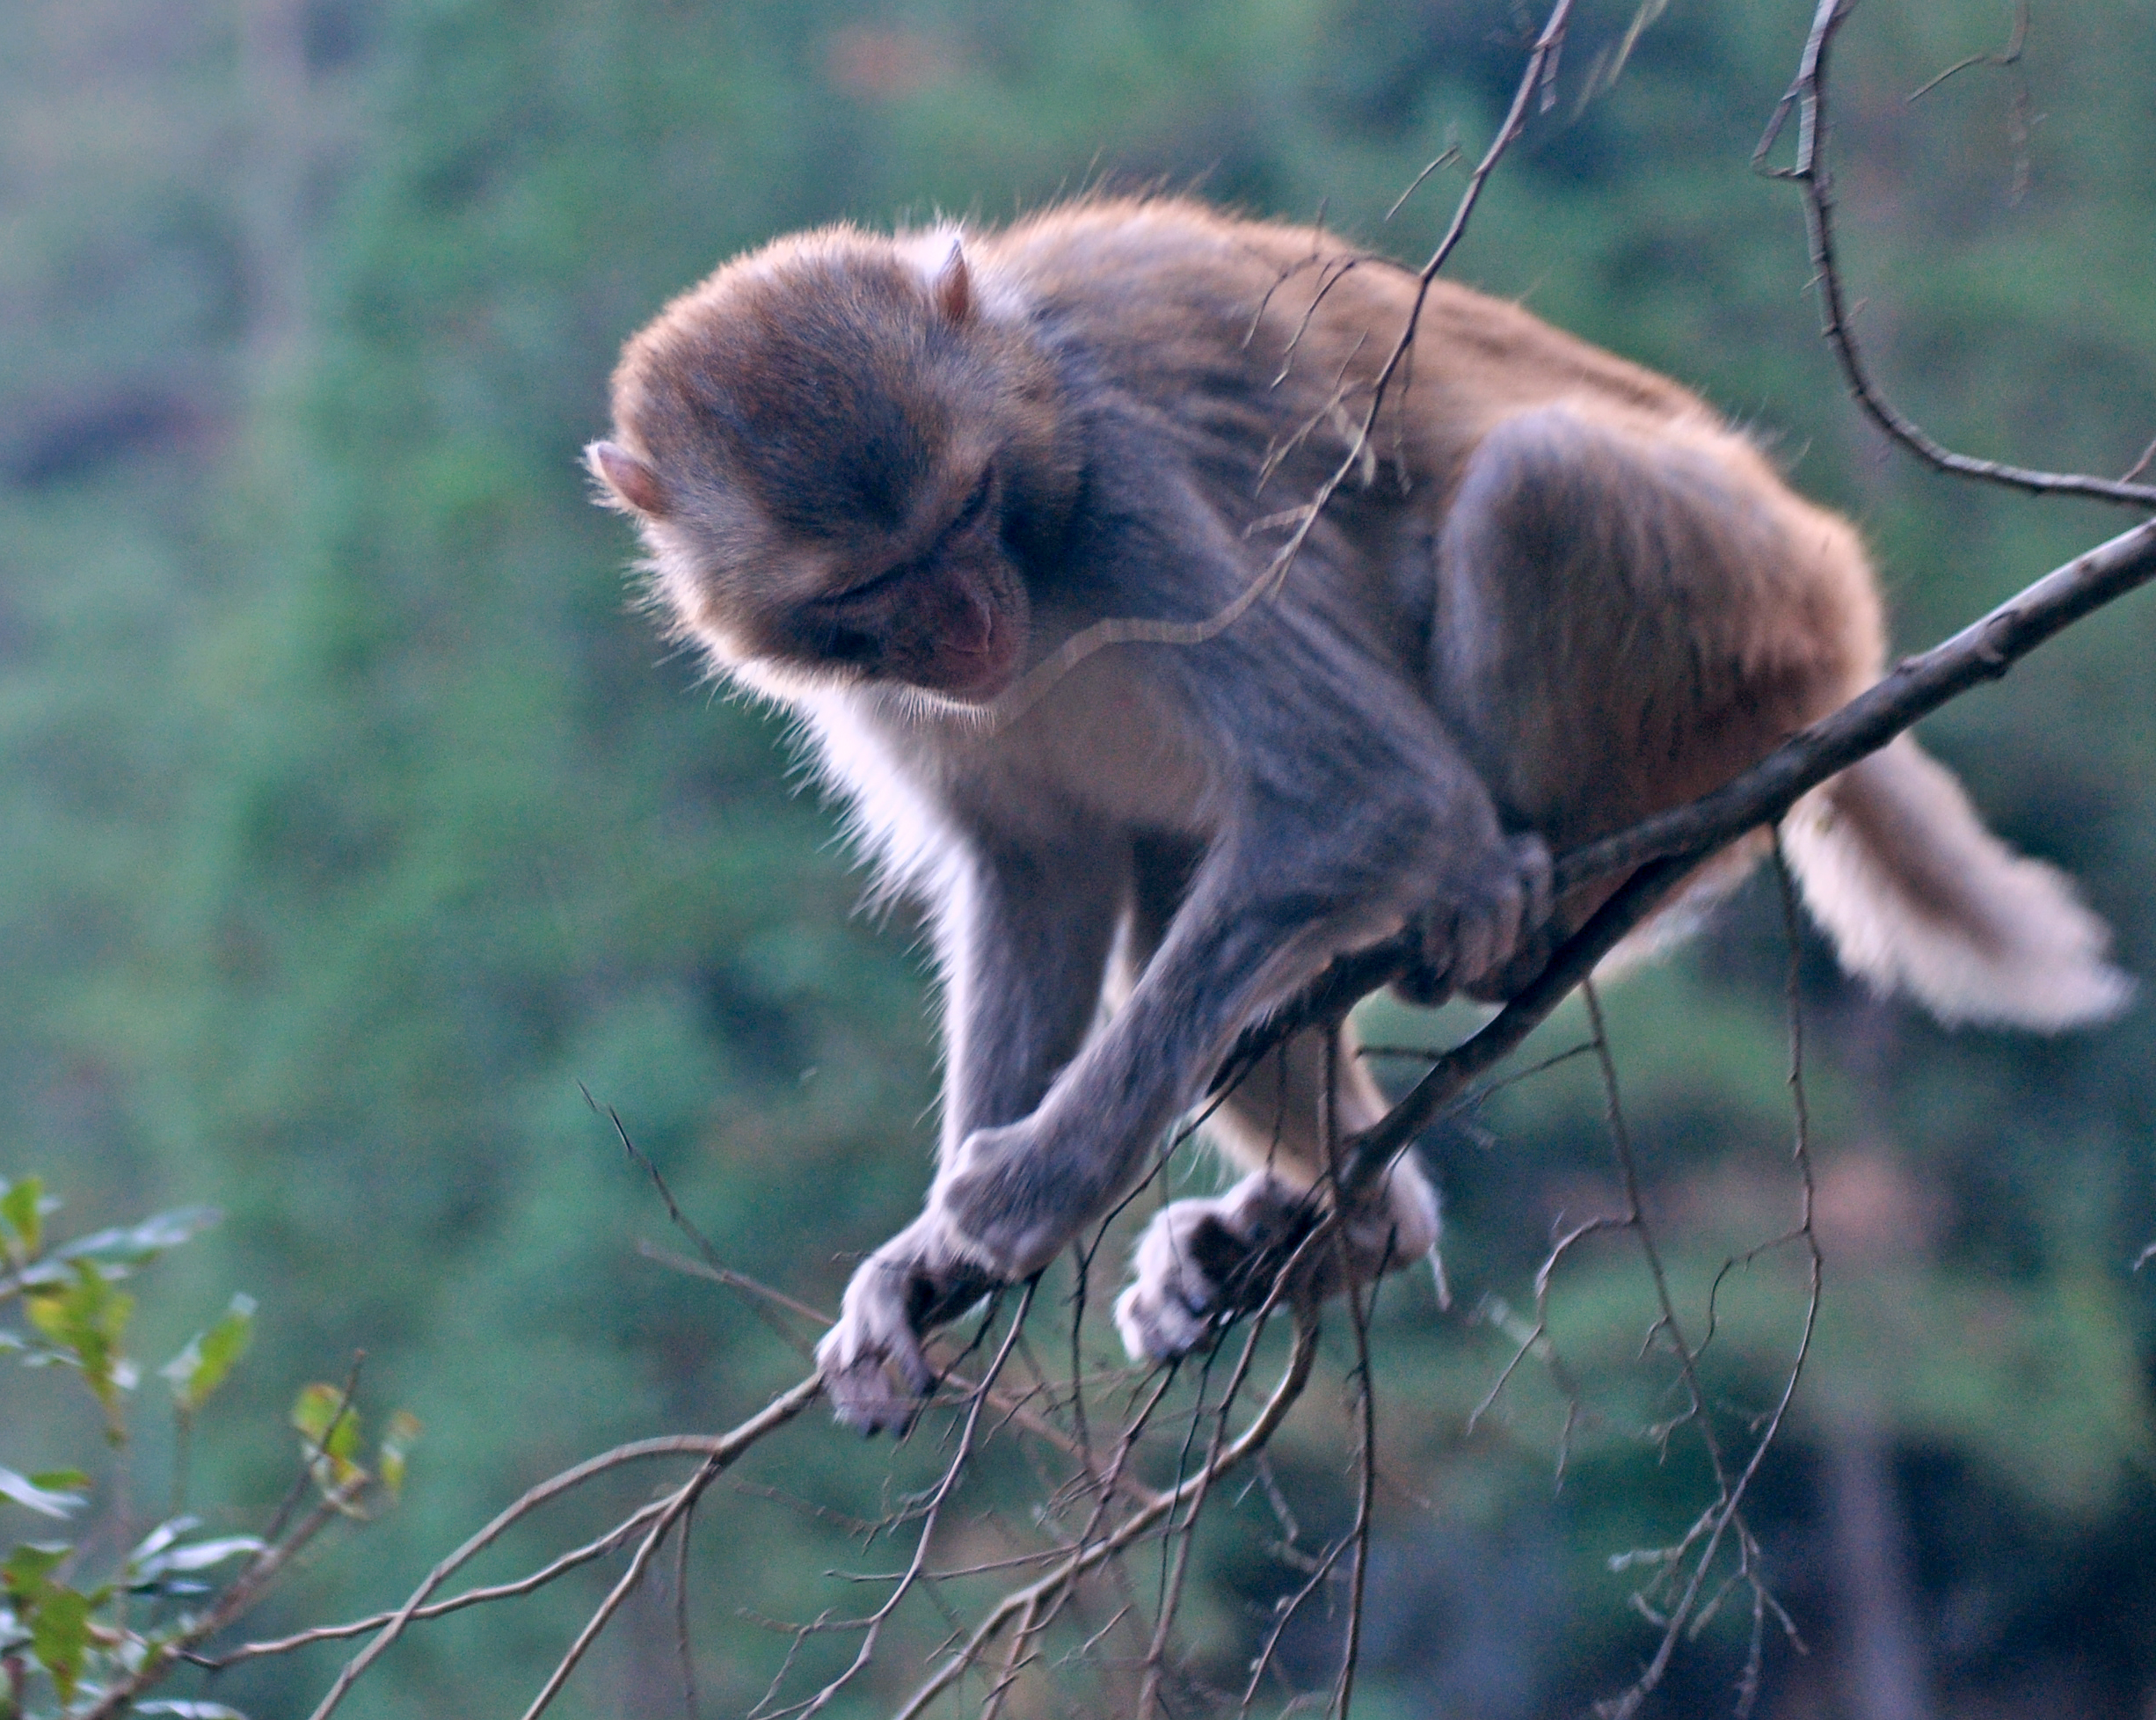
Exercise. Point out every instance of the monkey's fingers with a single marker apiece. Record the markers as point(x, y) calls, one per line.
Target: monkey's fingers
point(1481, 924)
point(1201, 1262)
point(873, 1368)
point(1537, 874)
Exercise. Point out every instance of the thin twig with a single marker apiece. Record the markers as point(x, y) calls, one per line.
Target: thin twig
point(2139, 466)
point(719, 1451)
point(1536, 80)
point(930, 1515)
point(1723, 1515)
point(1365, 1386)
point(1149, 1700)
point(675, 1510)
point(280, 1549)
point(559, 1566)
point(1807, 98)
point(1252, 1440)
point(2008, 56)
point(754, 1288)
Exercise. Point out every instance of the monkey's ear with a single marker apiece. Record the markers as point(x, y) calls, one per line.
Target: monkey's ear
point(953, 291)
point(629, 484)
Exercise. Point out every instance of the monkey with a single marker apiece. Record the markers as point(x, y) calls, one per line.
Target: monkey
point(900, 483)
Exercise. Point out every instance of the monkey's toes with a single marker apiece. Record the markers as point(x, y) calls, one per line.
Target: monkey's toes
point(875, 1384)
point(1173, 1303)
point(1157, 1325)
point(875, 1395)
point(1201, 1262)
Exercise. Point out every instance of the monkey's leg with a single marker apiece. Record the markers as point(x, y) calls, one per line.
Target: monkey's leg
point(1630, 613)
point(1296, 882)
point(1024, 936)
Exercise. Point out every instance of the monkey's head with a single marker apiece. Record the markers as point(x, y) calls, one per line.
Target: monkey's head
point(842, 462)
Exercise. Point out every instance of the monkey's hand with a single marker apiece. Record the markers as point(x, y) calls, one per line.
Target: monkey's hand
point(871, 1360)
point(1476, 930)
point(1002, 1210)
point(1202, 1263)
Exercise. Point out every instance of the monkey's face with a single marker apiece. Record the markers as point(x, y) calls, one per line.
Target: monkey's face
point(830, 454)
point(941, 608)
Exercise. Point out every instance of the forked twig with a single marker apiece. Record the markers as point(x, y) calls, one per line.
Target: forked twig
point(1089, 1557)
point(717, 1451)
point(1806, 99)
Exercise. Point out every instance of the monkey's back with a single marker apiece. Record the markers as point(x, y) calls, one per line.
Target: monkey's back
point(1259, 338)
point(1259, 345)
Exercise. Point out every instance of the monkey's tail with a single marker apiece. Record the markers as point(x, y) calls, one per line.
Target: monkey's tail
point(1921, 898)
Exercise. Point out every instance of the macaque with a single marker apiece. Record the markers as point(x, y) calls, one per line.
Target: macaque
point(886, 481)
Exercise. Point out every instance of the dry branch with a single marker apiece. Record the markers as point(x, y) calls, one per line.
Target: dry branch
point(1806, 98)
point(1661, 850)
point(718, 1452)
point(1091, 1556)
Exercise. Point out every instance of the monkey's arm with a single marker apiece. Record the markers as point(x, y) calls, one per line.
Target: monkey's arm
point(1023, 931)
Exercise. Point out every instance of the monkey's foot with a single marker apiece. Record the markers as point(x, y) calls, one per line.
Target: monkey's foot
point(871, 1360)
point(1477, 929)
point(1201, 1264)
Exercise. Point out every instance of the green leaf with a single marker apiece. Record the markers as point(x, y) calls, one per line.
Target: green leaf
point(161, 1550)
point(24, 1572)
point(324, 1416)
point(87, 1318)
point(123, 1249)
point(160, 1538)
point(60, 1637)
point(330, 1427)
point(200, 1555)
point(398, 1439)
point(36, 1493)
point(201, 1367)
point(22, 1210)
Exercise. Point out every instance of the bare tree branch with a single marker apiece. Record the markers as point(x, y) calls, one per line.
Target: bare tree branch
point(718, 1452)
point(1665, 848)
point(1807, 98)
point(1088, 1557)
point(280, 1549)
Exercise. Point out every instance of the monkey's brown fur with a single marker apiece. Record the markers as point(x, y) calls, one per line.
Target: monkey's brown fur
point(882, 479)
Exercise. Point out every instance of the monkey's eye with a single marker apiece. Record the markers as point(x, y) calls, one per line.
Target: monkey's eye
point(976, 501)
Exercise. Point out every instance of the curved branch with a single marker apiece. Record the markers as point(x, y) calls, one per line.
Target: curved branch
point(1665, 848)
point(1807, 98)
point(718, 1452)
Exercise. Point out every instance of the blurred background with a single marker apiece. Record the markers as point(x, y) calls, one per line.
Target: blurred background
point(350, 817)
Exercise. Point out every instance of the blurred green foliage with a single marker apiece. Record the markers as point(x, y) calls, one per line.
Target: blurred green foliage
point(350, 817)
point(103, 1618)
